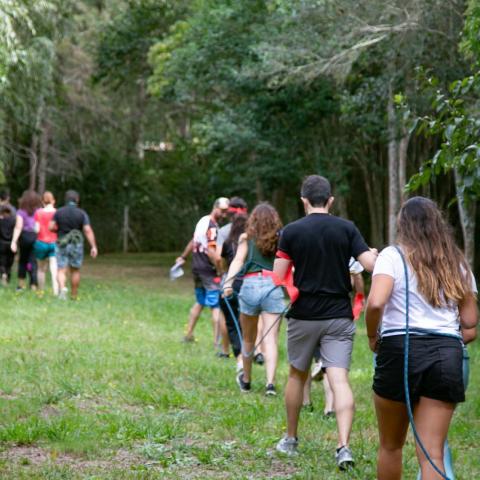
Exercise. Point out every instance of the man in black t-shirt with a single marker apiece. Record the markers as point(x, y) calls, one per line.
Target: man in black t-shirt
point(320, 246)
point(71, 223)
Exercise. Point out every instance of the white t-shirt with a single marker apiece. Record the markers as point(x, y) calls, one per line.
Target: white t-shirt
point(421, 314)
point(223, 234)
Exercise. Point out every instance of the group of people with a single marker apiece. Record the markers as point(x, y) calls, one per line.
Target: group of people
point(45, 239)
point(240, 269)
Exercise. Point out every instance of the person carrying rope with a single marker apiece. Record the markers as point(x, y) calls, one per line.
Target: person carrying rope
point(319, 246)
point(426, 282)
point(258, 294)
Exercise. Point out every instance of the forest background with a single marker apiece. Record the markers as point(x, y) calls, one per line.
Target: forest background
point(156, 107)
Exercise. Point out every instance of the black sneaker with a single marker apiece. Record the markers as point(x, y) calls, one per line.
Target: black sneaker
point(222, 355)
point(270, 390)
point(244, 386)
point(259, 359)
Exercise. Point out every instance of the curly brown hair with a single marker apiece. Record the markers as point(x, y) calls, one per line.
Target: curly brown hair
point(30, 201)
point(263, 227)
point(442, 272)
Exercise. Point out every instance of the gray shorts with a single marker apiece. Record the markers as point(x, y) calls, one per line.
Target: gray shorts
point(334, 338)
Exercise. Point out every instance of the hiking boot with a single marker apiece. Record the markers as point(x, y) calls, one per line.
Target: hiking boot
point(344, 458)
point(259, 359)
point(287, 445)
point(270, 390)
point(245, 387)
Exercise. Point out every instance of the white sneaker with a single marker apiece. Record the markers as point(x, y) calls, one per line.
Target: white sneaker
point(344, 458)
point(317, 372)
point(63, 294)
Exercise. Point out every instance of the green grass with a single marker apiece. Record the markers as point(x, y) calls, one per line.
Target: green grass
point(102, 388)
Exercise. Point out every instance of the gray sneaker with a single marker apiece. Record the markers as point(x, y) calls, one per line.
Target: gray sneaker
point(344, 458)
point(287, 445)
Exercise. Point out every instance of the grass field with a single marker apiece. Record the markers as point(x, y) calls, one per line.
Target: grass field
point(102, 388)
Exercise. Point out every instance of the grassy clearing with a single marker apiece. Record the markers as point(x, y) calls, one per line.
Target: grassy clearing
point(102, 388)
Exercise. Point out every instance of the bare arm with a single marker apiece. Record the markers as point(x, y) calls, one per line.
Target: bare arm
point(367, 259)
point(186, 252)
point(52, 226)
point(88, 231)
point(358, 284)
point(467, 309)
point(280, 268)
point(469, 335)
point(380, 292)
point(236, 264)
point(16, 233)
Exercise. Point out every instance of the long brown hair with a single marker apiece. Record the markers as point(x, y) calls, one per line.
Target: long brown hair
point(443, 274)
point(30, 201)
point(263, 226)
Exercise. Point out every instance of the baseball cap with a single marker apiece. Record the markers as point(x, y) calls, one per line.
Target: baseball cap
point(222, 203)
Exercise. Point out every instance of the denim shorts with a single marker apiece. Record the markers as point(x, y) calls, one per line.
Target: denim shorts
point(70, 255)
point(258, 294)
point(43, 250)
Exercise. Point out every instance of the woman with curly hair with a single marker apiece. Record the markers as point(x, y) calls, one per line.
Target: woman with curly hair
point(258, 295)
point(24, 236)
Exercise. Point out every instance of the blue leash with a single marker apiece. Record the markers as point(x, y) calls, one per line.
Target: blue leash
point(405, 372)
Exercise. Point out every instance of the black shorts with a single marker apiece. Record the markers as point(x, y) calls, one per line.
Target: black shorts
point(434, 369)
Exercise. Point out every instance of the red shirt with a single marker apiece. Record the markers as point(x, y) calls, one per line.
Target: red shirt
point(43, 218)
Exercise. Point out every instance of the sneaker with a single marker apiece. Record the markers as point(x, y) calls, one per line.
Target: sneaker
point(270, 390)
point(344, 458)
point(308, 407)
point(287, 445)
point(329, 415)
point(244, 386)
point(259, 359)
point(62, 295)
point(222, 355)
point(317, 372)
point(188, 339)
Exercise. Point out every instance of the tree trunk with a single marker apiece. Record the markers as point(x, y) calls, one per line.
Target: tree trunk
point(467, 209)
point(33, 162)
point(279, 201)
point(45, 136)
point(402, 163)
point(393, 193)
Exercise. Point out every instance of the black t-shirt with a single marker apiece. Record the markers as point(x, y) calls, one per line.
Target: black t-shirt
point(320, 246)
point(7, 225)
point(69, 218)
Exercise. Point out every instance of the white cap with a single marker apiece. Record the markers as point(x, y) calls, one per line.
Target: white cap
point(222, 203)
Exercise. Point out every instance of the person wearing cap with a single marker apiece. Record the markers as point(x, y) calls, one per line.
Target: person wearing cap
point(205, 261)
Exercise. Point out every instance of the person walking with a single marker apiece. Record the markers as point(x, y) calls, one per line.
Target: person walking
point(258, 294)
point(442, 300)
point(24, 237)
point(44, 246)
point(71, 223)
point(7, 225)
point(205, 262)
point(319, 246)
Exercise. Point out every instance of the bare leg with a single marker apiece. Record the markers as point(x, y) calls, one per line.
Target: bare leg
point(432, 419)
point(260, 345)
point(342, 402)
point(306, 390)
point(294, 398)
point(75, 281)
point(216, 326)
point(328, 395)
point(193, 316)
point(42, 271)
point(392, 428)
point(249, 329)
point(270, 344)
point(52, 261)
point(62, 278)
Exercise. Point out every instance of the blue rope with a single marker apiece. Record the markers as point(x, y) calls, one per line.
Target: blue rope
point(405, 371)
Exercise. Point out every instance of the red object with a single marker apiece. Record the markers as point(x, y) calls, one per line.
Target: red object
point(287, 282)
point(237, 210)
point(217, 280)
point(358, 302)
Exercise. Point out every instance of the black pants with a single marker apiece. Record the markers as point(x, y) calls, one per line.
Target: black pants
point(6, 258)
point(232, 330)
point(27, 261)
